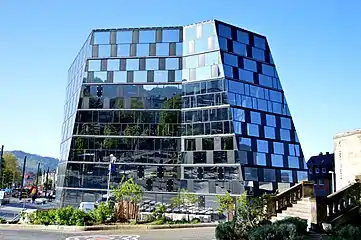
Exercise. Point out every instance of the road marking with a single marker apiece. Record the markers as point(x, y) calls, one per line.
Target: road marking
point(105, 237)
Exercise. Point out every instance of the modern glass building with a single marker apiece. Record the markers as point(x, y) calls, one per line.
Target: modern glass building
point(198, 107)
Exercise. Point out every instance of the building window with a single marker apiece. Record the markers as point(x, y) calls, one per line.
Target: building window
point(269, 175)
point(256, 117)
point(262, 146)
point(323, 170)
point(251, 174)
point(286, 176)
point(317, 170)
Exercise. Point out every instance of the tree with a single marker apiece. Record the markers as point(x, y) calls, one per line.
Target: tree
point(10, 170)
point(185, 198)
point(226, 203)
point(130, 194)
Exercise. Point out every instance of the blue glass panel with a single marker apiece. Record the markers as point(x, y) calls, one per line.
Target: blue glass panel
point(120, 77)
point(104, 51)
point(208, 29)
point(230, 59)
point(260, 159)
point(237, 127)
point(160, 76)
point(278, 148)
point(162, 49)
point(212, 58)
point(236, 87)
point(286, 176)
point(286, 123)
point(269, 132)
point(224, 31)
point(172, 63)
point(140, 76)
point(271, 120)
point(239, 48)
point(245, 75)
point(152, 63)
point(252, 130)
point(113, 65)
point(277, 160)
point(262, 146)
point(228, 71)
point(147, 36)
point(238, 114)
point(142, 50)
point(250, 65)
point(255, 117)
point(190, 61)
point(259, 42)
point(124, 37)
point(170, 35)
point(268, 70)
point(123, 50)
point(223, 43)
point(242, 37)
point(258, 54)
point(179, 49)
point(132, 64)
point(101, 37)
point(285, 135)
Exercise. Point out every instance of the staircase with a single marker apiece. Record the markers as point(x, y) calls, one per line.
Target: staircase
point(301, 209)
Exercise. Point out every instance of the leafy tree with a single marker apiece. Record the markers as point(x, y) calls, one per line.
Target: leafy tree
point(159, 211)
point(226, 203)
point(130, 193)
point(10, 170)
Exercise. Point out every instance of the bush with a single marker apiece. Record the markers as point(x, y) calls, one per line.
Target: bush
point(103, 213)
point(226, 231)
point(300, 224)
point(274, 232)
point(2, 220)
point(195, 221)
point(348, 232)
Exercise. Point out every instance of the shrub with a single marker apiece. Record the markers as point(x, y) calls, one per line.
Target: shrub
point(195, 221)
point(103, 213)
point(2, 220)
point(274, 232)
point(348, 232)
point(226, 231)
point(300, 224)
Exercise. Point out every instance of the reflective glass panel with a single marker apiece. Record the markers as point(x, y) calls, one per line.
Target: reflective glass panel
point(245, 144)
point(269, 132)
point(277, 160)
point(278, 148)
point(104, 51)
point(242, 37)
point(286, 176)
point(258, 54)
point(132, 64)
point(120, 77)
point(140, 76)
point(224, 31)
point(239, 48)
point(147, 36)
point(269, 175)
point(256, 117)
point(293, 162)
point(262, 146)
point(302, 175)
point(259, 42)
point(238, 114)
point(251, 174)
point(93, 65)
point(250, 65)
point(245, 75)
point(142, 50)
point(285, 123)
point(260, 159)
point(162, 49)
point(170, 35)
point(268, 70)
point(230, 60)
point(152, 63)
point(252, 130)
point(172, 63)
point(271, 120)
point(101, 37)
point(160, 76)
point(124, 36)
point(285, 135)
point(123, 50)
point(113, 65)
point(223, 43)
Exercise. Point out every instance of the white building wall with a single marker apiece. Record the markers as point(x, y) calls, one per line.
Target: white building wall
point(347, 148)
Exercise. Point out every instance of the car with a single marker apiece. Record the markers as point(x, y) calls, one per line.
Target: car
point(87, 206)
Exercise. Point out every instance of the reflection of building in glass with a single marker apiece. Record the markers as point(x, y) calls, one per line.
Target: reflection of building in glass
point(199, 107)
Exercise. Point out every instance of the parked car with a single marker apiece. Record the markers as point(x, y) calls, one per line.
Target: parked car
point(87, 206)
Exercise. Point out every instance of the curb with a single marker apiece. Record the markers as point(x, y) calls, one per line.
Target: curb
point(101, 227)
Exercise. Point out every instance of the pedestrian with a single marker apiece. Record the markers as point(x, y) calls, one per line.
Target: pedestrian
point(33, 193)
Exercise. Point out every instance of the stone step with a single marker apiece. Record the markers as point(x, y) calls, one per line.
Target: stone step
point(298, 209)
point(291, 214)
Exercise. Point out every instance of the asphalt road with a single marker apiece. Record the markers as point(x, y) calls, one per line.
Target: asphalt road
point(206, 233)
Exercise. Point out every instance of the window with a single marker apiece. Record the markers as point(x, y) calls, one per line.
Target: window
point(239, 48)
point(262, 146)
point(269, 175)
point(113, 65)
point(286, 176)
point(242, 37)
point(252, 130)
point(208, 143)
point(285, 135)
point(238, 114)
point(123, 50)
point(142, 50)
point(245, 144)
point(275, 96)
point(251, 174)
point(201, 60)
point(269, 132)
point(256, 117)
point(293, 162)
point(317, 170)
point(101, 37)
point(162, 49)
point(237, 127)
point(94, 65)
point(172, 63)
point(211, 58)
point(190, 144)
point(170, 35)
point(236, 87)
point(228, 71)
point(124, 37)
point(260, 159)
point(152, 63)
point(278, 148)
point(259, 42)
point(268, 70)
point(147, 36)
point(245, 75)
point(140, 76)
point(223, 43)
point(160, 76)
point(323, 170)
point(120, 77)
point(258, 54)
point(286, 123)
point(277, 160)
point(271, 120)
point(250, 65)
point(230, 59)
point(265, 80)
point(132, 64)
point(224, 31)
point(104, 51)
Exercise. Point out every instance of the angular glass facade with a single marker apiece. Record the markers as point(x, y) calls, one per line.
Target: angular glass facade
point(198, 107)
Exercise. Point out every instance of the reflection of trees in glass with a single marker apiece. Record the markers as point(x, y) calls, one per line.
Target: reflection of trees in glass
point(110, 143)
point(136, 103)
point(167, 120)
point(79, 145)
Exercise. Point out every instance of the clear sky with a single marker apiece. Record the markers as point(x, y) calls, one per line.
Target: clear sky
point(316, 46)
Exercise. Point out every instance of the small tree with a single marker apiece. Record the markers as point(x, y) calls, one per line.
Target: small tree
point(185, 198)
point(159, 211)
point(130, 193)
point(226, 203)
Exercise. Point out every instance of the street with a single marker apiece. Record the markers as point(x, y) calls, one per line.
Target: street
point(206, 233)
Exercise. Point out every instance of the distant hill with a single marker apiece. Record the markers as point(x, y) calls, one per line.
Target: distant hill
point(32, 161)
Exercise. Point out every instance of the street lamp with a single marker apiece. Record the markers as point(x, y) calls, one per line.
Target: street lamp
point(333, 181)
point(113, 159)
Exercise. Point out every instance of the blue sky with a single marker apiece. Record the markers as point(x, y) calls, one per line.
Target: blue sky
point(315, 45)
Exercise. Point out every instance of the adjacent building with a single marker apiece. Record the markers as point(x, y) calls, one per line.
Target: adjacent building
point(347, 147)
point(199, 107)
point(322, 172)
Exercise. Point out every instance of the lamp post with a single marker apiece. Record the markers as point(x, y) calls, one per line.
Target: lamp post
point(111, 163)
point(333, 181)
